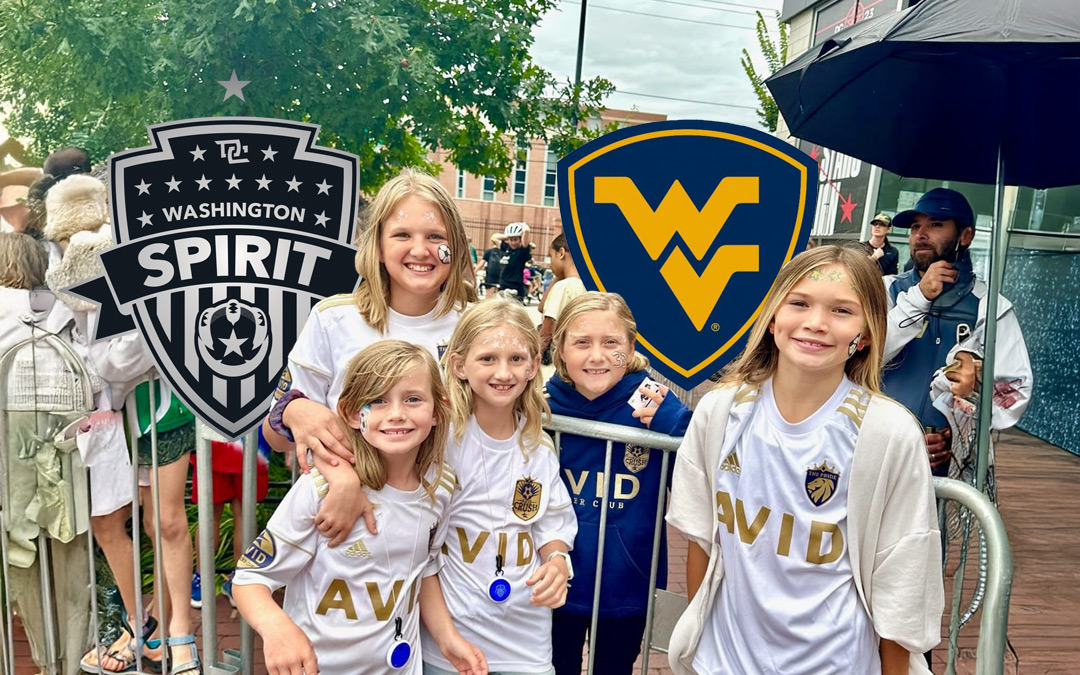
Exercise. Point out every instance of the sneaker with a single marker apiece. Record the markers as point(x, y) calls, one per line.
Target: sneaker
point(226, 588)
point(196, 591)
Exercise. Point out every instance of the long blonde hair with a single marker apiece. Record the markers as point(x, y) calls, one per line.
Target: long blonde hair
point(530, 406)
point(369, 375)
point(595, 301)
point(23, 261)
point(372, 297)
point(758, 360)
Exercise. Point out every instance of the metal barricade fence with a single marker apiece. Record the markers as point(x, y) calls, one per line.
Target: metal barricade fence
point(991, 645)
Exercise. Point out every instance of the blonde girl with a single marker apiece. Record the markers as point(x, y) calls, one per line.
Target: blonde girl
point(414, 259)
point(819, 551)
point(599, 376)
point(511, 524)
point(353, 611)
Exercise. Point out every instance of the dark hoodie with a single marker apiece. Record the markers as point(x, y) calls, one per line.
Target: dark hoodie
point(632, 511)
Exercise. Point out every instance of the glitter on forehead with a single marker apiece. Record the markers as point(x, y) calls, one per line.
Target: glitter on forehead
point(836, 275)
point(402, 214)
point(815, 275)
point(429, 216)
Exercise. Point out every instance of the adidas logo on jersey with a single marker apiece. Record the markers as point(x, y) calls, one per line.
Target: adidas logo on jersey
point(731, 463)
point(358, 550)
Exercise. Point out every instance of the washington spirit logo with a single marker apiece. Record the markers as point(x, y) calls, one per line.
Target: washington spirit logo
point(228, 231)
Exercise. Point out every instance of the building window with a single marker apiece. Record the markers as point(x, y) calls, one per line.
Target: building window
point(550, 190)
point(460, 183)
point(489, 189)
point(521, 171)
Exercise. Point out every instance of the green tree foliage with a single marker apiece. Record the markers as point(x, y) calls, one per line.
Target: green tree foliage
point(775, 55)
point(386, 79)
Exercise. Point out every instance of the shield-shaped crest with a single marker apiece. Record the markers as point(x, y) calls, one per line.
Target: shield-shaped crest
point(228, 231)
point(821, 483)
point(526, 502)
point(690, 222)
point(636, 457)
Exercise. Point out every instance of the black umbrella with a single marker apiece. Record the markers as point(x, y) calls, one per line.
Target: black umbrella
point(979, 91)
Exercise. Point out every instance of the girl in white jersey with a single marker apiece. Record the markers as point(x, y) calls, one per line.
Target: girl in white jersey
point(351, 609)
point(505, 562)
point(414, 260)
point(819, 551)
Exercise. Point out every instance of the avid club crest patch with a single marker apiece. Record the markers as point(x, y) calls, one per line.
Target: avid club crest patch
point(821, 483)
point(690, 222)
point(228, 231)
point(526, 502)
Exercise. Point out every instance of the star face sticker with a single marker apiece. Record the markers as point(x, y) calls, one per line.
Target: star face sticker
point(198, 154)
point(264, 183)
point(234, 87)
point(232, 344)
point(836, 275)
point(268, 153)
point(234, 182)
point(144, 219)
point(144, 187)
point(204, 182)
point(174, 185)
point(321, 219)
point(324, 187)
point(815, 274)
point(294, 185)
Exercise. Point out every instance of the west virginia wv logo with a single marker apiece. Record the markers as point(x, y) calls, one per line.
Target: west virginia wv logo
point(690, 222)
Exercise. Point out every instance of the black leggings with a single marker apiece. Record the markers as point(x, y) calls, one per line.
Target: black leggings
point(618, 643)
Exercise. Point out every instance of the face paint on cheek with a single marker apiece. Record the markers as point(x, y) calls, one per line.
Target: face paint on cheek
point(444, 254)
point(853, 346)
point(364, 412)
point(620, 359)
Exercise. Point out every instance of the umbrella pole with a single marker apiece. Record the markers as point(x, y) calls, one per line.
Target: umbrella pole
point(999, 248)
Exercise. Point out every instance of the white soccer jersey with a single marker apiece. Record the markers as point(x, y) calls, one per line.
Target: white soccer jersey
point(509, 507)
point(347, 599)
point(788, 602)
point(335, 332)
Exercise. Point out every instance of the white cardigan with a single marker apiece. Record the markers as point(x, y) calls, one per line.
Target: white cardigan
point(893, 537)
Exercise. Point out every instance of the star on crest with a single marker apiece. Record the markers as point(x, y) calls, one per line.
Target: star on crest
point(144, 219)
point(198, 154)
point(268, 153)
point(321, 219)
point(144, 187)
point(264, 182)
point(234, 87)
point(234, 182)
point(232, 344)
point(174, 185)
point(324, 187)
point(204, 182)
point(294, 185)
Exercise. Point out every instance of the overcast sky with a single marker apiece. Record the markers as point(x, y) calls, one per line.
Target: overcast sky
point(661, 48)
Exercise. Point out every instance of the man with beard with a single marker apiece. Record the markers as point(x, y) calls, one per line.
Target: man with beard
point(937, 321)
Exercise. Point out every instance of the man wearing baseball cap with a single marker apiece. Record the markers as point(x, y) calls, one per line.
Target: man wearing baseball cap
point(937, 319)
point(878, 246)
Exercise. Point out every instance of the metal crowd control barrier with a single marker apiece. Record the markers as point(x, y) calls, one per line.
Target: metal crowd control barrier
point(990, 652)
point(663, 608)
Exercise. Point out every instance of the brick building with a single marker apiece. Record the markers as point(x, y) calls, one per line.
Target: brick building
point(531, 195)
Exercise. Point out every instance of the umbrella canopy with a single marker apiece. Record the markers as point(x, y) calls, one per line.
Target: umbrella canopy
point(936, 90)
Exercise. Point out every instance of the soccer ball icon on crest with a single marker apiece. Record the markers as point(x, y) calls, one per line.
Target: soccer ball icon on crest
point(233, 337)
